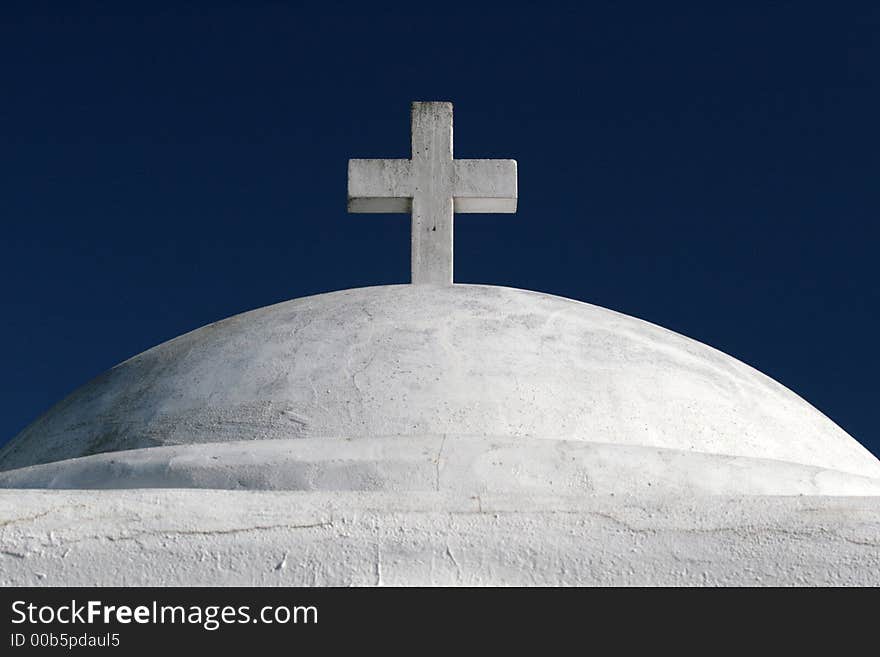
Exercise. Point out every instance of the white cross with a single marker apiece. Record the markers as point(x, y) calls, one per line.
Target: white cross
point(432, 185)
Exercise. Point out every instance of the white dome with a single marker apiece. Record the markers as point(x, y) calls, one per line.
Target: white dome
point(418, 362)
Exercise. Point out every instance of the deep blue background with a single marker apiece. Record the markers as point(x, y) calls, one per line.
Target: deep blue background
point(713, 169)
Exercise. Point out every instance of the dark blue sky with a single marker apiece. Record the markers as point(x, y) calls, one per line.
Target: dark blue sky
point(713, 168)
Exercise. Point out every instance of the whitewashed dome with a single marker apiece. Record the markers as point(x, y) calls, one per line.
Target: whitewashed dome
point(402, 386)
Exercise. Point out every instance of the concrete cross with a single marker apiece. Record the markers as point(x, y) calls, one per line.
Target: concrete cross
point(431, 186)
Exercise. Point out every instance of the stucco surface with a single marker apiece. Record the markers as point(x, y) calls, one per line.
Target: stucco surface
point(417, 435)
point(408, 361)
point(267, 538)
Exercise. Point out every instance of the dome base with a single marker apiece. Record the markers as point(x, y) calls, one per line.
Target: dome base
point(450, 463)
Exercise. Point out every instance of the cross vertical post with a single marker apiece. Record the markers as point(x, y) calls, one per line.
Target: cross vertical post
point(432, 204)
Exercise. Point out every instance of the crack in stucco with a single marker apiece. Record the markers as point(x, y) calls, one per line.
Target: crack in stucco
point(15, 521)
point(378, 565)
point(454, 561)
point(163, 533)
point(9, 553)
point(437, 463)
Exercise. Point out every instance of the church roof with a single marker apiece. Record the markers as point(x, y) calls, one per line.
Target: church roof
point(408, 361)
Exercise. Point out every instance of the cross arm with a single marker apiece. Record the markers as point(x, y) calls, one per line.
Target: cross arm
point(380, 185)
point(484, 186)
